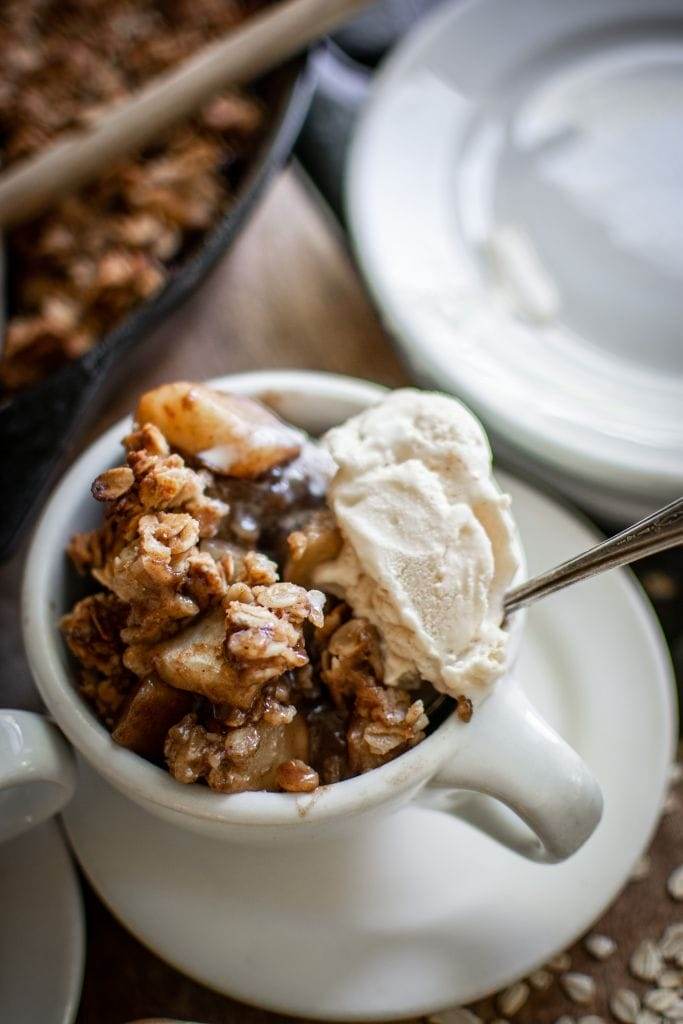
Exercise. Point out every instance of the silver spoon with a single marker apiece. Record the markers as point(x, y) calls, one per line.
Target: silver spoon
point(656, 532)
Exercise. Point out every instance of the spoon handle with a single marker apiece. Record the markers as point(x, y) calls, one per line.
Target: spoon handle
point(656, 532)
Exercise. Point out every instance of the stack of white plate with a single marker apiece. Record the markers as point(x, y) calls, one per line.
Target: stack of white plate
point(515, 197)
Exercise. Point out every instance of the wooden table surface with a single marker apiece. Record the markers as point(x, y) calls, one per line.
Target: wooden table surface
point(288, 296)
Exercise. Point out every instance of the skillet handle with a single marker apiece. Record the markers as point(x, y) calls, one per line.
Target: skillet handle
point(37, 430)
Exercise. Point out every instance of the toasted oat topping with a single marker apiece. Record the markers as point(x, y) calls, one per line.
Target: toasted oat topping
point(385, 722)
point(245, 758)
point(351, 660)
point(198, 653)
point(264, 629)
point(85, 263)
point(158, 482)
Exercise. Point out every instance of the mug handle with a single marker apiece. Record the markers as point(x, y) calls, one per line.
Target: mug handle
point(513, 755)
point(37, 771)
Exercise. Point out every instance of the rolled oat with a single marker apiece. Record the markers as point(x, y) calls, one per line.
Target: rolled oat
point(561, 962)
point(675, 884)
point(646, 962)
point(600, 946)
point(660, 999)
point(670, 979)
point(641, 869)
point(625, 1005)
point(513, 999)
point(541, 980)
point(579, 987)
point(455, 1015)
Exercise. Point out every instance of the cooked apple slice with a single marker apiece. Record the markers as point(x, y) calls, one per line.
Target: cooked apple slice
point(195, 660)
point(149, 712)
point(229, 434)
point(316, 542)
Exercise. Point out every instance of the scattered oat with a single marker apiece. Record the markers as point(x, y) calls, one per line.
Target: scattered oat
point(660, 999)
point(579, 987)
point(648, 1017)
point(671, 942)
point(671, 804)
point(641, 869)
point(646, 962)
point(675, 1012)
point(670, 979)
point(565, 1019)
point(561, 962)
point(625, 1005)
point(513, 999)
point(455, 1015)
point(541, 980)
point(675, 884)
point(675, 774)
point(591, 1018)
point(600, 946)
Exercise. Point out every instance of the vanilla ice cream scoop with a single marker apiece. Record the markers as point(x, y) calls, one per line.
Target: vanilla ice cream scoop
point(429, 545)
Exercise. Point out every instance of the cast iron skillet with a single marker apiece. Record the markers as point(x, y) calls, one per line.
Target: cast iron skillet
point(39, 427)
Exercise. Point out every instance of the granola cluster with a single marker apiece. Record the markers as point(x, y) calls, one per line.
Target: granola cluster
point(79, 268)
point(206, 653)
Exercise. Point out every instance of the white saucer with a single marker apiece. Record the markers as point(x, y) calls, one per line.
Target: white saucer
point(42, 932)
point(422, 911)
point(515, 197)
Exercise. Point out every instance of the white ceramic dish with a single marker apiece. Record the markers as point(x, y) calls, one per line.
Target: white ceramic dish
point(507, 750)
point(515, 190)
point(42, 931)
point(420, 911)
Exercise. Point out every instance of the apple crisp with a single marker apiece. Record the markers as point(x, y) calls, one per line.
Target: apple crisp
point(204, 646)
point(78, 269)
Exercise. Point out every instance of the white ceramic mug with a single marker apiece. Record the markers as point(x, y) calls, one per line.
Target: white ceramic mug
point(507, 751)
point(37, 772)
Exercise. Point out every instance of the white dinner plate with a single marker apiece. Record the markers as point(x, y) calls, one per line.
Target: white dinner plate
point(42, 932)
point(515, 197)
point(421, 911)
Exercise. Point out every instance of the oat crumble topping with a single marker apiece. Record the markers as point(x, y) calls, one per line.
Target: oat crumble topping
point(205, 647)
point(79, 268)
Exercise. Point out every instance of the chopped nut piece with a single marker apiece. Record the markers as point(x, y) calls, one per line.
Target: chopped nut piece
point(297, 777)
point(464, 709)
point(113, 483)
